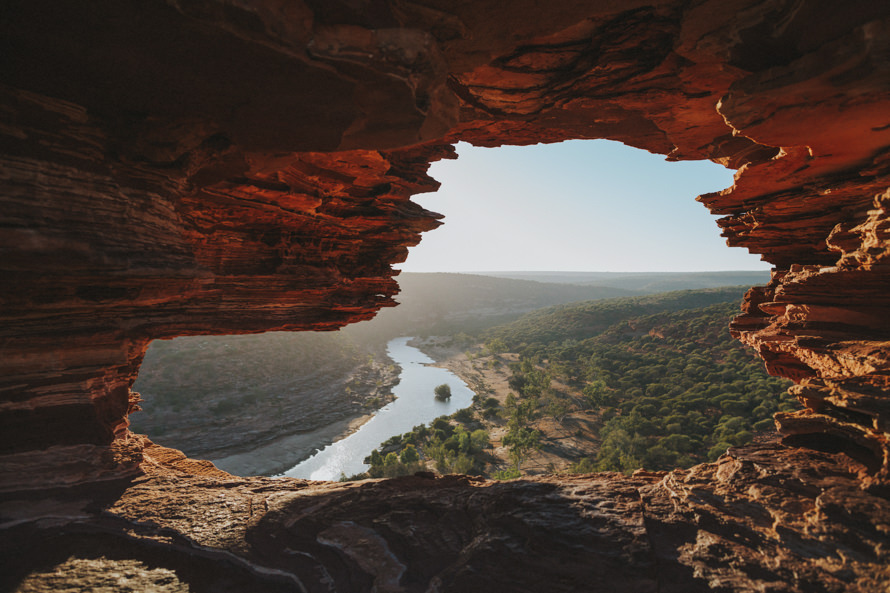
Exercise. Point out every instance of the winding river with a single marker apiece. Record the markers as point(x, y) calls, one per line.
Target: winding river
point(414, 404)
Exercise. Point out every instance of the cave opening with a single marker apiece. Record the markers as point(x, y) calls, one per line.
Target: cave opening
point(578, 220)
point(185, 168)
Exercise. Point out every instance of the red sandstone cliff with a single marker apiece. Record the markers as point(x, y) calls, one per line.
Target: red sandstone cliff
point(222, 166)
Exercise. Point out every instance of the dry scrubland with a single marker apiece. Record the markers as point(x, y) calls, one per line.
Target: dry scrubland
point(599, 386)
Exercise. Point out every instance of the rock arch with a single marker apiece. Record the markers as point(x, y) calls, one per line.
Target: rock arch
point(175, 168)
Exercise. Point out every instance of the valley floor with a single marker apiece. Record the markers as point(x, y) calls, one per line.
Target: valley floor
point(272, 436)
point(563, 442)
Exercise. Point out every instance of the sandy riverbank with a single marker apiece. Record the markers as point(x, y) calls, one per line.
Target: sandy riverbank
point(564, 442)
point(284, 453)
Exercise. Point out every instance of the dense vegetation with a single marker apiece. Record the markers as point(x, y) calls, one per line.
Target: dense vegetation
point(459, 443)
point(657, 375)
point(666, 383)
point(545, 327)
point(450, 445)
point(673, 388)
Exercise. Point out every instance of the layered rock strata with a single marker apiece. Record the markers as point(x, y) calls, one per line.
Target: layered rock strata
point(212, 166)
point(764, 518)
point(103, 253)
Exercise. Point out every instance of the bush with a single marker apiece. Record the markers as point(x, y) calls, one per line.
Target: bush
point(442, 424)
point(443, 392)
point(584, 466)
point(718, 450)
point(765, 425)
point(507, 474)
point(409, 455)
point(464, 415)
point(478, 440)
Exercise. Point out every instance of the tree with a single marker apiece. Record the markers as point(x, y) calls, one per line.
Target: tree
point(443, 392)
point(391, 459)
point(478, 440)
point(521, 442)
point(595, 394)
point(375, 459)
point(557, 409)
point(409, 455)
point(464, 415)
point(496, 346)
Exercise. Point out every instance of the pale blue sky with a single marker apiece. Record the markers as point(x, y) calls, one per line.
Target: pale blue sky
point(583, 205)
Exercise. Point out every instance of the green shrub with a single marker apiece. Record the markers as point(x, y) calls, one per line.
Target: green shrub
point(463, 415)
point(443, 392)
point(507, 474)
point(767, 424)
point(585, 465)
point(718, 450)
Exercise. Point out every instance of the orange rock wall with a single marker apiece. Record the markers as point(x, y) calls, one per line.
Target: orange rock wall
point(232, 166)
point(173, 168)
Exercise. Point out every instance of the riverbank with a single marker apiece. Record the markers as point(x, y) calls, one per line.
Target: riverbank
point(564, 441)
point(282, 454)
point(414, 405)
point(299, 406)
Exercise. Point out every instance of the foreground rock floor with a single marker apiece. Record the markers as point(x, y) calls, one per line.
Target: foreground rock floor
point(766, 517)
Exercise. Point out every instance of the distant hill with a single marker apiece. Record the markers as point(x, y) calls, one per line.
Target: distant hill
point(584, 320)
point(207, 395)
point(651, 382)
point(646, 282)
point(452, 303)
point(674, 388)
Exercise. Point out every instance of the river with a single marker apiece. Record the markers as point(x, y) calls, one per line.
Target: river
point(414, 404)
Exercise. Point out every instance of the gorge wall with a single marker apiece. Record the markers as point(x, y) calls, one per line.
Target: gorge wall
point(236, 166)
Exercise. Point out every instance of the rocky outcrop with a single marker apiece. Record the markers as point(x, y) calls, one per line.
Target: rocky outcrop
point(216, 166)
point(764, 518)
point(104, 253)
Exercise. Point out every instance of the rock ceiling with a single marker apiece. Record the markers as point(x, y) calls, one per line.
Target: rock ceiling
point(232, 166)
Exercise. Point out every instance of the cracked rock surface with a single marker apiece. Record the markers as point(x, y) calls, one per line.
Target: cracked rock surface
point(764, 517)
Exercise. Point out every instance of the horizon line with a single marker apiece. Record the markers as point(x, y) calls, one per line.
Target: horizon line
point(482, 272)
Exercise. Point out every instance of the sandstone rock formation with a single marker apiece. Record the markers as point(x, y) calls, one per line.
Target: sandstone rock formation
point(233, 166)
point(763, 518)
